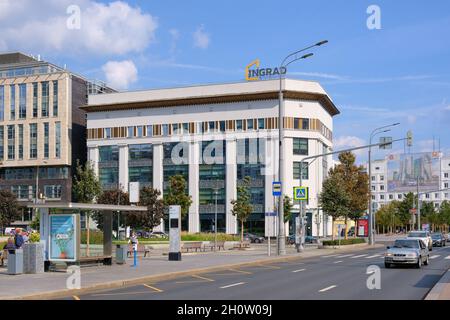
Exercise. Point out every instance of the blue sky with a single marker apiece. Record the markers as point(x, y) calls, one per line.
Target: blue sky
point(399, 73)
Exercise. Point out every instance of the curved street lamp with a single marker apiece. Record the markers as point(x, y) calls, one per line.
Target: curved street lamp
point(290, 58)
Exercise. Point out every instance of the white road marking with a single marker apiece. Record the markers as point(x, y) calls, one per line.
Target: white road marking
point(327, 288)
point(232, 285)
point(447, 257)
point(435, 256)
point(330, 255)
point(338, 261)
point(374, 256)
point(299, 270)
point(359, 256)
point(345, 255)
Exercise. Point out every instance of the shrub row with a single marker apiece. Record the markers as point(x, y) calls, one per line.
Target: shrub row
point(95, 237)
point(343, 242)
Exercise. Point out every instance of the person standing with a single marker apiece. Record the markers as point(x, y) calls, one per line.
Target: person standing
point(18, 239)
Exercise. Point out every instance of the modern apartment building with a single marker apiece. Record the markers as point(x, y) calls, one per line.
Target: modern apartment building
point(42, 128)
point(396, 175)
point(215, 136)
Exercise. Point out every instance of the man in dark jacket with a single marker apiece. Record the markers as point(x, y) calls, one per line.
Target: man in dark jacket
point(18, 239)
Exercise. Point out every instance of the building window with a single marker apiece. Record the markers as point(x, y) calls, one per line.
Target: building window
point(55, 98)
point(108, 153)
point(140, 152)
point(296, 170)
point(11, 142)
point(130, 132)
point(149, 130)
point(33, 141)
point(391, 197)
point(22, 101)
point(2, 150)
point(46, 140)
point(381, 197)
point(212, 126)
point(446, 175)
point(436, 196)
point(107, 133)
point(399, 196)
point(222, 126)
point(45, 99)
point(52, 191)
point(300, 146)
point(373, 178)
point(35, 100)
point(427, 195)
point(239, 125)
point(20, 126)
point(57, 139)
point(260, 124)
point(446, 195)
point(12, 99)
point(21, 192)
point(381, 178)
point(373, 188)
point(373, 197)
point(305, 124)
point(250, 124)
point(446, 185)
point(2, 103)
point(165, 130)
point(382, 188)
point(140, 131)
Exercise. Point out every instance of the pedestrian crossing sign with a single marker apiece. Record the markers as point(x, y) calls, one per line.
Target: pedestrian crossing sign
point(300, 193)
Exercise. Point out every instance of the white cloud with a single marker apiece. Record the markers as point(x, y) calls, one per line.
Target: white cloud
point(345, 142)
point(447, 108)
point(120, 74)
point(175, 35)
point(201, 38)
point(41, 26)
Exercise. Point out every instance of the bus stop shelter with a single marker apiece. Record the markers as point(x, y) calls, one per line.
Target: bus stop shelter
point(60, 229)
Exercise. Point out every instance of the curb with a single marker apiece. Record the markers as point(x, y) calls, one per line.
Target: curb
point(441, 290)
point(158, 277)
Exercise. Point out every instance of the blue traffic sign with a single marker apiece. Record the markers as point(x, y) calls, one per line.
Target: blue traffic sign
point(300, 193)
point(276, 188)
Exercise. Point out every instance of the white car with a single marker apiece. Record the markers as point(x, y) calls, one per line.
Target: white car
point(424, 236)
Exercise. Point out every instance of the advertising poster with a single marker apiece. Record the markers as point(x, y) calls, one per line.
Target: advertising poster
point(363, 228)
point(62, 237)
point(405, 169)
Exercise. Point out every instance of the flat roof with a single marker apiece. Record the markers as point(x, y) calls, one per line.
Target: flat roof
point(87, 206)
point(210, 94)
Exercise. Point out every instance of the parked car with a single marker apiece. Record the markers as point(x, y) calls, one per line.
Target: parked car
point(158, 234)
point(424, 236)
point(253, 238)
point(311, 239)
point(412, 251)
point(143, 234)
point(438, 239)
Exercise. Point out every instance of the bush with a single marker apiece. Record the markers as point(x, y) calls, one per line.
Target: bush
point(343, 242)
point(204, 236)
point(2, 244)
point(95, 237)
point(34, 237)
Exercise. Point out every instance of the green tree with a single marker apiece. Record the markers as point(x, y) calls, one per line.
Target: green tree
point(444, 211)
point(86, 187)
point(409, 201)
point(176, 195)
point(355, 183)
point(333, 199)
point(150, 198)
point(287, 203)
point(242, 207)
point(9, 208)
point(116, 197)
point(387, 217)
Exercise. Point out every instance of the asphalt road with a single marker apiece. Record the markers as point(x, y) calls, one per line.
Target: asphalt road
point(340, 276)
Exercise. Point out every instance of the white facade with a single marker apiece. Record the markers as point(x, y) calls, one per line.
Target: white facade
point(230, 113)
point(381, 195)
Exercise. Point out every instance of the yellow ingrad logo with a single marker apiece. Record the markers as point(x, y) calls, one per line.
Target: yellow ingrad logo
point(253, 72)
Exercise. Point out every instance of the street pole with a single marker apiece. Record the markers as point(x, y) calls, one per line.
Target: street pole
point(216, 191)
point(419, 227)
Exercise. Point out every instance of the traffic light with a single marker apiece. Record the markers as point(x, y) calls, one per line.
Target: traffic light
point(409, 138)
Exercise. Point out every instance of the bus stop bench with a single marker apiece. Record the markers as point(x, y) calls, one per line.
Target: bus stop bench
point(192, 245)
point(220, 244)
point(241, 245)
point(140, 249)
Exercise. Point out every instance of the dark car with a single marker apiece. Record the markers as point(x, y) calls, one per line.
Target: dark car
point(438, 239)
point(253, 238)
point(308, 239)
point(143, 234)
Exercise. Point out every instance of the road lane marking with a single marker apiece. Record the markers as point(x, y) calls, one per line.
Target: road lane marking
point(447, 257)
point(203, 278)
point(435, 256)
point(232, 285)
point(359, 256)
point(76, 298)
point(241, 271)
point(328, 288)
point(330, 255)
point(338, 261)
point(374, 256)
point(299, 270)
point(345, 255)
point(268, 266)
point(119, 293)
point(151, 287)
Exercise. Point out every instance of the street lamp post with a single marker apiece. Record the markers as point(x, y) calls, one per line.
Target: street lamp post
point(372, 135)
point(292, 57)
point(216, 192)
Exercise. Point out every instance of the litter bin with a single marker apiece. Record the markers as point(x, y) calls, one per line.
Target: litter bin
point(15, 262)
point(121, 253)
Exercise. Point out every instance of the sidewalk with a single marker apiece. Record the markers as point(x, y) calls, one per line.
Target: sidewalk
point(150, 269)
point(441, 290)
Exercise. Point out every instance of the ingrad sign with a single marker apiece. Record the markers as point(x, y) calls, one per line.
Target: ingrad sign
point(253, 72)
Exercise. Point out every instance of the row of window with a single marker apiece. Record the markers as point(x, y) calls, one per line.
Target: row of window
point(39, 89)
point(15, 137)
point(373, 178)
point(400, 196)
point(26, 192)
point(30, 173)
point(208, 127)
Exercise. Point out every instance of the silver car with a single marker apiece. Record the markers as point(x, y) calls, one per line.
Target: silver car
point(425, 236)
point(407, 251)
